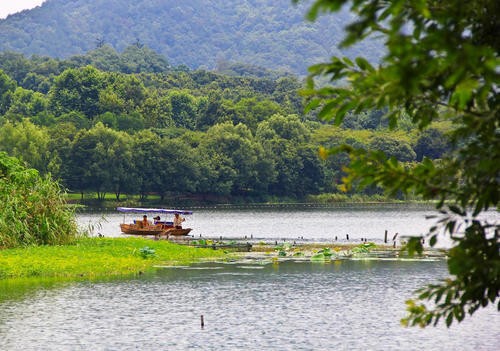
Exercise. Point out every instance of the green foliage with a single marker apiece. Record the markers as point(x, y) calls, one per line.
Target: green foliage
point(363, 248)
point(33, 208)
point(442, 64)
point(178, 136)
point(147, 252)
point(77, 90)
point(196, 33)
point(322, 255)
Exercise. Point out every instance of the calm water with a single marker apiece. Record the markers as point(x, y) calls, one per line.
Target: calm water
point(292, 222)
point(359, 221)
point(353, 305)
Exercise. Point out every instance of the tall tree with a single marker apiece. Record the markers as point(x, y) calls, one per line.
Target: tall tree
point(442, 63)
point(78, 90)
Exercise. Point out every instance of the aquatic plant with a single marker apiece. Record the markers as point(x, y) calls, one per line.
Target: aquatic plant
point(363, 248)
point(147, 252)
point(323, 254)
point(282, 249)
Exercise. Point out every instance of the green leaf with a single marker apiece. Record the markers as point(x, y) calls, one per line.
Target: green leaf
point(449, 319)
point(433, 240)
point(364, 64)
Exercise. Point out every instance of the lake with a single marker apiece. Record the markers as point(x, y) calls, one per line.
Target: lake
point(250, 305)
point(291, 222)
point(350, 305)
point(311, 222)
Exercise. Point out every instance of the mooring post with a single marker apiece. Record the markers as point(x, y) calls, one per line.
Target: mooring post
point(202, 322)
point(385, 237)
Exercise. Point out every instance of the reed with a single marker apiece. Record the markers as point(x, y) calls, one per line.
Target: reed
point(33, 209)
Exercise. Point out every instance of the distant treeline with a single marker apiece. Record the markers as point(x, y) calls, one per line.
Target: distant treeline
point(179, 132)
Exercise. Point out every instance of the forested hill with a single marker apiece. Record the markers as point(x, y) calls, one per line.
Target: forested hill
point(198, 33)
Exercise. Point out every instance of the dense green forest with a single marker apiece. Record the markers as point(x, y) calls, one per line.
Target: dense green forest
point(199, 33)
point(180, 132)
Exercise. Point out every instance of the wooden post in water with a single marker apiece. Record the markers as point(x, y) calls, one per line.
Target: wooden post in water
point(202, 322)
point(385, 237)
point(394, 239)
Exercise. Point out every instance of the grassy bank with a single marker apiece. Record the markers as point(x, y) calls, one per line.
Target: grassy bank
point(97, 257)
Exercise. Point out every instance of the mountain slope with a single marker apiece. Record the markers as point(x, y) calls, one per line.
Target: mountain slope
point(198, 33)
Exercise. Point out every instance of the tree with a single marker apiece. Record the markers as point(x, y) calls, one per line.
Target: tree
point(77, 90)
point(183, 108)
point(180, 171)
point(27, 142)
point(102, 160)
point(393, 148)
point(7, 87)
point(147, 161)
point(442, 63)
point(431, 144)
point(238, 159)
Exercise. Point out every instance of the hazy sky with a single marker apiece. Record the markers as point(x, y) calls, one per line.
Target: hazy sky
point(8, 7)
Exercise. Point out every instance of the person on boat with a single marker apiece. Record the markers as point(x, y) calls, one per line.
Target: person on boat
point(145, 222)
point(178, 221)
point(157, 219)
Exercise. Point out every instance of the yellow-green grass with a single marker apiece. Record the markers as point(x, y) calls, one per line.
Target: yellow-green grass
point(98, 257)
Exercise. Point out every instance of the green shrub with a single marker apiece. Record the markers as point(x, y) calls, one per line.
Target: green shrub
point(33, 210)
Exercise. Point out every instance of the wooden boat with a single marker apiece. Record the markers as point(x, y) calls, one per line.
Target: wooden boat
point(134, 229)
point(157, 228)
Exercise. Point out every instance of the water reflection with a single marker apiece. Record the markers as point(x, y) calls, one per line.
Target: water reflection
point(351, 305)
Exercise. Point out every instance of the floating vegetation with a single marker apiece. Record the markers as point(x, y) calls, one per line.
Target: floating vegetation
point(363, 249)
point(147, 252)
point(322, 255)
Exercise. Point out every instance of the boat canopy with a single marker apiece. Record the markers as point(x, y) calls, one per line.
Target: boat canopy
point(153, 210)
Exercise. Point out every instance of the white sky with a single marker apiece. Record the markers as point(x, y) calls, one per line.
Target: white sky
point(8, 7)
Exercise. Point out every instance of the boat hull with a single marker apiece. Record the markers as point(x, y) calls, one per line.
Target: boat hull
point(133, 229)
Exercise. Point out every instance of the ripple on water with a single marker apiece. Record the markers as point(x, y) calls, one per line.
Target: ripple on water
point(354, 305)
